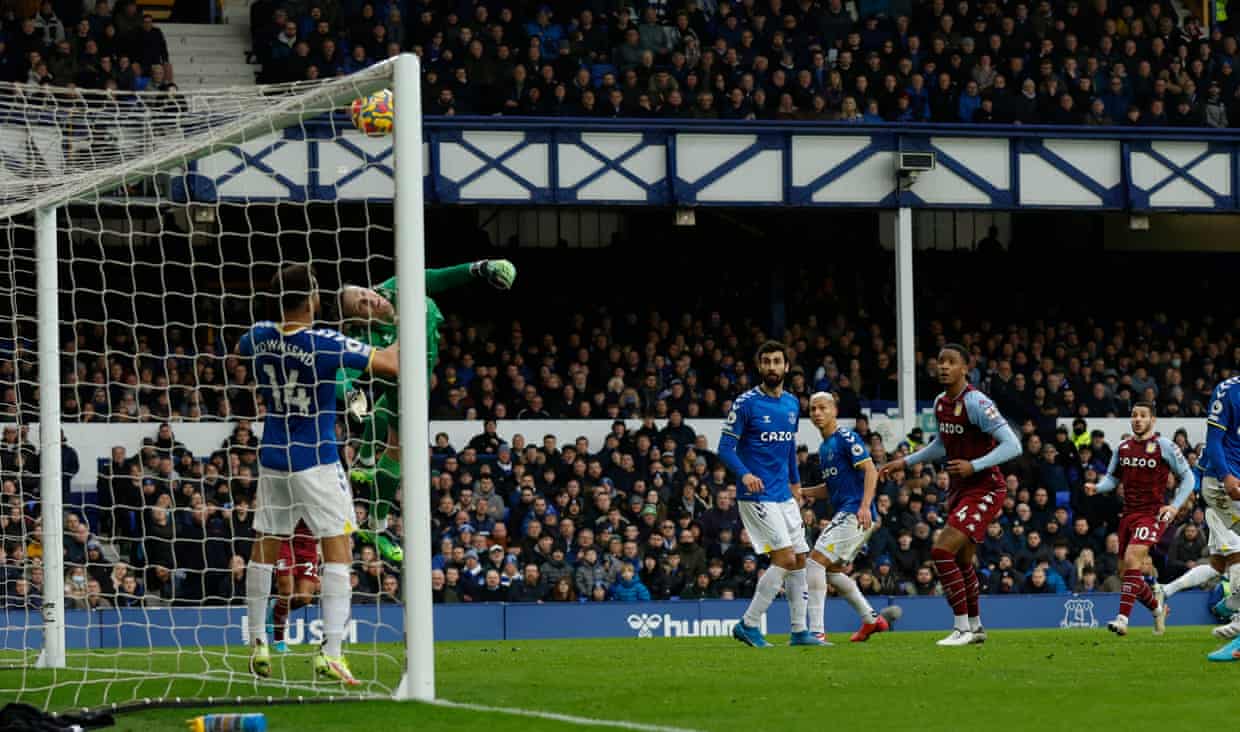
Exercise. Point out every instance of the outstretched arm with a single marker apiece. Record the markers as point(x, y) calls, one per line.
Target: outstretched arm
point(386, 361)
point(931, 453)
point(499, 272)
point(1108, 482)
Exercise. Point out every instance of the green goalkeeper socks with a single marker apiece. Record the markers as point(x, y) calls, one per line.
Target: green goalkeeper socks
point(387, 482)
point(376, 423)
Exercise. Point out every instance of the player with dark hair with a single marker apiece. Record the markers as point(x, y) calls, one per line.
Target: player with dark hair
point(300, 476)
point(975, 440)
point(759, 446)
point(370, 316)
point(1143, 463)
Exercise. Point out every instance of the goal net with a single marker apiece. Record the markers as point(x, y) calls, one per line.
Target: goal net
point(141, 230)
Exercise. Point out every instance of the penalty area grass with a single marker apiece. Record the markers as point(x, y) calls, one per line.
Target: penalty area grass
point(1035, 679)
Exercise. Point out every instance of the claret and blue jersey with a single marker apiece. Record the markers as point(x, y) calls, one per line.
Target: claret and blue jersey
point(296, 373)
point(760, 437)
point(843, 456)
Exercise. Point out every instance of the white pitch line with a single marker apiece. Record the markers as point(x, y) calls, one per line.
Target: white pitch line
point(566, 718)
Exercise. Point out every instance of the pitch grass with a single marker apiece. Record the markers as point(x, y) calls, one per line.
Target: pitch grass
point(1036, 680)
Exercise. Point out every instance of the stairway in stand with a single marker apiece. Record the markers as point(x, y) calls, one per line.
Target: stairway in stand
point(205, 56)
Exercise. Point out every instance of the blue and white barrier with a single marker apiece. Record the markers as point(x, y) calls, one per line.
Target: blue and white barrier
point(141, 628)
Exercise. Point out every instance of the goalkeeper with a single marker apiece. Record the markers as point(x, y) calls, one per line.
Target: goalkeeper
point(370, 316)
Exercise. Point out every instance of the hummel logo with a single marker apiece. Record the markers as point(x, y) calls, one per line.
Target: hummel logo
point(644, 623)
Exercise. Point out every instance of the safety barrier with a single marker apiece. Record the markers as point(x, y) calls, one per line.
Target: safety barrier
point(221, 626)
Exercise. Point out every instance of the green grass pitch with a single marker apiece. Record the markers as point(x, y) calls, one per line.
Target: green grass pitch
point(1035, 680)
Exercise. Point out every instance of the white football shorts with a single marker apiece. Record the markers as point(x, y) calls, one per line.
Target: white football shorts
point(1222, 518)
point(773, 526)
point(321, 496)
point(843, 538)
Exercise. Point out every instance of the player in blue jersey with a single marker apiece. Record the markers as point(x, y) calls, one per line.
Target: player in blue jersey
point(758, 445)
point(1220, 489)
point(300, 476)
point(850, 482)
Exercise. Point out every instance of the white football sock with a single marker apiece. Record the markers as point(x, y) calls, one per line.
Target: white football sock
point(1195, 577)
point(816, 580)
point(1233, 576)
point(961, 623)
point(257, 590)
point(848, 590)
point(975, 623)
point(768, 588)
point(336, 597)
point(798, 597)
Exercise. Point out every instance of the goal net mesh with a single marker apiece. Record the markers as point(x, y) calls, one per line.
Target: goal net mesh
point(174, 211)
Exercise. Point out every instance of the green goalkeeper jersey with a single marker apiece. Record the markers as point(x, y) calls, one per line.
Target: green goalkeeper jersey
point(381, 334)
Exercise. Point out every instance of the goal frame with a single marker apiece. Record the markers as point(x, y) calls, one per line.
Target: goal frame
point(418, 681)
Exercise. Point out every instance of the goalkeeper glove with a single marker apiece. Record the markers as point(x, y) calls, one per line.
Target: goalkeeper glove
point(358, 404)
point(499, 272)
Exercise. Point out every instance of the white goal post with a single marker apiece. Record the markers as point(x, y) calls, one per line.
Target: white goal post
point(93, 185)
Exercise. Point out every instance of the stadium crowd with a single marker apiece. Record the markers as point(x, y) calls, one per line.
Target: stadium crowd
point(91, 44)
point(525, 517)
point(649, 514)
point(1021, 62)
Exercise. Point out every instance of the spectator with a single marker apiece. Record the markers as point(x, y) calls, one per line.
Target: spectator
point(563, 591)
point(923, 583)
point(1036, 583)
point(154, 47)
point(699, 589)
point(1188, 549)
point(1062, 565)
point(492, 589)
point(628, 588)
point(530, 588)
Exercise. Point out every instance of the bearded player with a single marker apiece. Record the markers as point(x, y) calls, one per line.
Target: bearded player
point(1143, 463)
point(850, 481)
point(1220, 489)
point(976, 440)
point(759, 446)
point(372, 316)
point(297, 582)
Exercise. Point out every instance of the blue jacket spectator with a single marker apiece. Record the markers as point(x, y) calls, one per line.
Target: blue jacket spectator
point(969, 102)
point(628, 588)
point(549, 33)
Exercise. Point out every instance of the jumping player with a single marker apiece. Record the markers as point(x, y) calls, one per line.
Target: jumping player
point(1220, 489)
point(1143, 463)
point(297, 582)
point(758, 445)
point(300, 476)
point(850, 481)
point(371, 315)
point(975, 439)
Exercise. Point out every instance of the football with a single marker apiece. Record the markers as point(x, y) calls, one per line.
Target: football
point(374, 115)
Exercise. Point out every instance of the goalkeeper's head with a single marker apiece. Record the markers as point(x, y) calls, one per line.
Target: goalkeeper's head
point(298, 290)
point(364, 304)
